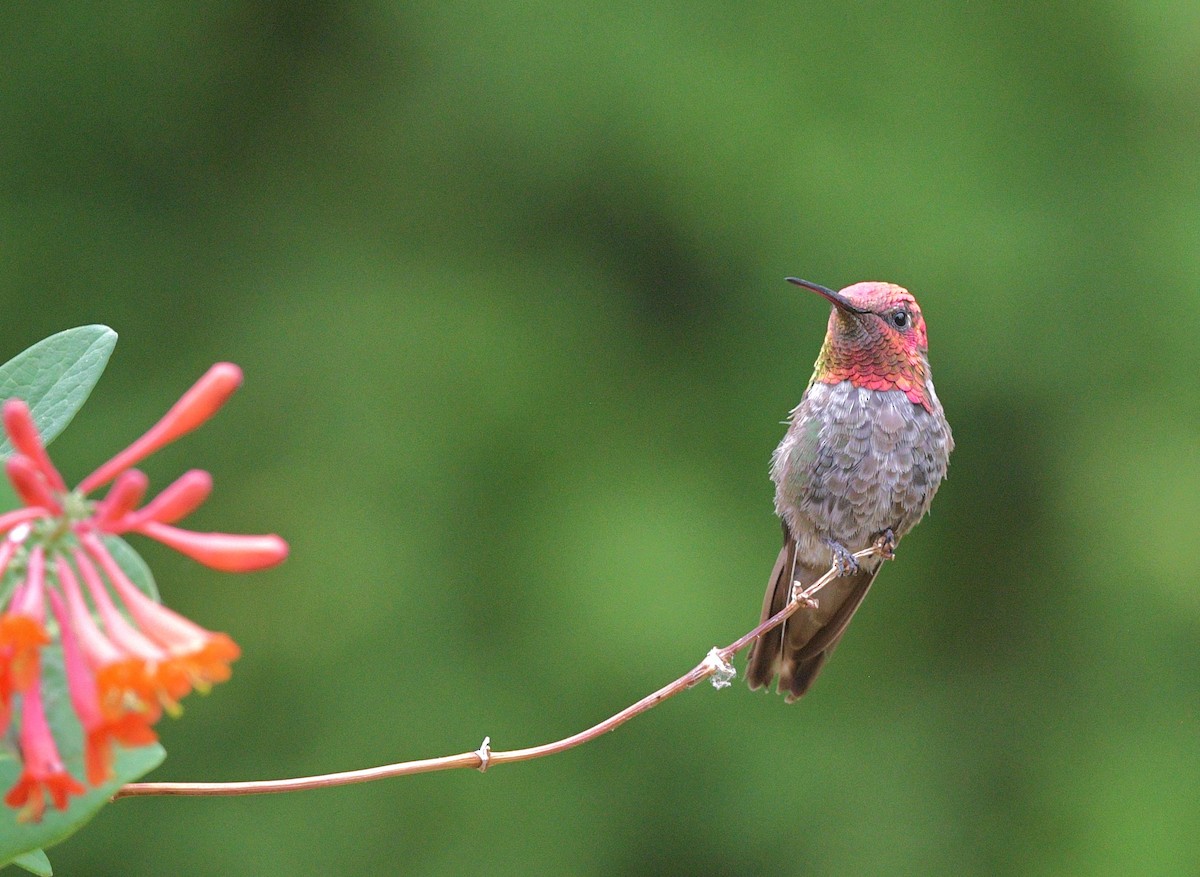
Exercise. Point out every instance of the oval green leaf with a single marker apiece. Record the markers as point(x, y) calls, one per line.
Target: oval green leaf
point(132, 565)
point(56, 376)
point(35, 862)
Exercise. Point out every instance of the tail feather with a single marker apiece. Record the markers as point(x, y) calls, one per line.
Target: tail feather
point(796, 651)
point(766, 654)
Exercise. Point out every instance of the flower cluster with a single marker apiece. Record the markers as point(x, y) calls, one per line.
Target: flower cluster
point(127, 659)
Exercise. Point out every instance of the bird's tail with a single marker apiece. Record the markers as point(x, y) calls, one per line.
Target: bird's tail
point(797, 649)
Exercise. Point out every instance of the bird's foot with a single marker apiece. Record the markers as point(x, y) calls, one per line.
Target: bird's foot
point(843, 559)
point(885, 545)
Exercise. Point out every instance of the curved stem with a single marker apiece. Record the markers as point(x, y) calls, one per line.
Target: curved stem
point(484, 758)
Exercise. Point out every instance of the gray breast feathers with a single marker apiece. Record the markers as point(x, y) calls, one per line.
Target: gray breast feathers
point(855, 462)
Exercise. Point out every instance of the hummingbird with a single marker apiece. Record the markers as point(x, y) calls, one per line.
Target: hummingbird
point(863, 455)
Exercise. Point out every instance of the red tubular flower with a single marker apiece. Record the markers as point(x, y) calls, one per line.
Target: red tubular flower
point(127, 491)
point(29, 484)
point(160, 679)
point(201, 655)
point(197, 405)
point(18, 423)
point(119, 676)
point(123, 634)
point(36, 481)
point(11, 520)
point(227, 552)
point(43, 772)
point(175, 501)
point(100, 731)
point(28, 600)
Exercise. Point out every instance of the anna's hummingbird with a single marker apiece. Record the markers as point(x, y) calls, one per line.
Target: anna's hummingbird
point(864, 453)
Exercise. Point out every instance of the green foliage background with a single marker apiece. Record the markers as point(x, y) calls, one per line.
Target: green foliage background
point(506, 279)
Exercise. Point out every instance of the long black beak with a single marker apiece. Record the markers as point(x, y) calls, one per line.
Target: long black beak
point(836, 297)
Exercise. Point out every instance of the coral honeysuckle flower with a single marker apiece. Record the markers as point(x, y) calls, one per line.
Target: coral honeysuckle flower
point(127, 658)
point(160, 680)
point(125, 673)
point(204, 656)
point(100, 730)
point(42, 772)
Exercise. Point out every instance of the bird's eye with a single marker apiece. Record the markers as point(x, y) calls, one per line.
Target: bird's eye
point(900, 318)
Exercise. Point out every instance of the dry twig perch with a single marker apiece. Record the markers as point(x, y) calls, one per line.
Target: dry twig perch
point(715, 664)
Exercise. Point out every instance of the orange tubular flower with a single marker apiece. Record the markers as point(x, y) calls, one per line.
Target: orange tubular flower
point(125, 664)
point(22, 633)
point(100, 731)
point(20, 639)
point(122, 682)
point(203, 656)
point(159, 680)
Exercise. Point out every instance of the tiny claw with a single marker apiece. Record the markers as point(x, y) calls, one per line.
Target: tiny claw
point(843, 559)
point(885, 545)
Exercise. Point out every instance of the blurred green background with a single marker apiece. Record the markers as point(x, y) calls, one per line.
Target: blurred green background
point(506, 280)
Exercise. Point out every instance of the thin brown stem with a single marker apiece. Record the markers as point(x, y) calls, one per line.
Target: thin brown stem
point(483, 758)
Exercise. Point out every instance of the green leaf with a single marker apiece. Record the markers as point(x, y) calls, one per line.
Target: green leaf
point(132, 565)
point(8, 496)
point(56, 375)
point(19, 839)
point(36, 862)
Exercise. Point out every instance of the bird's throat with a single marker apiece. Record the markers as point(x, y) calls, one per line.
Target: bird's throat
point(875, 362)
